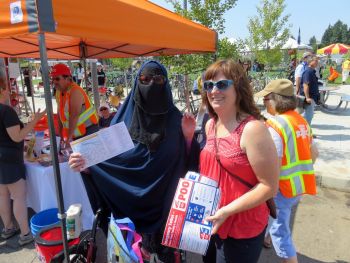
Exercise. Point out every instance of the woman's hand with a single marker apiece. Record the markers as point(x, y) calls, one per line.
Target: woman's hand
point(38, 115)
point(76, 162)
point(218, 219)
point(188, 124)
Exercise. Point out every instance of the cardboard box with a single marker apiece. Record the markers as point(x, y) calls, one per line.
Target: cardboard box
point(194, 200)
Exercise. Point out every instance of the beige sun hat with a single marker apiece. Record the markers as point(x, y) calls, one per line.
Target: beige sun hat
point(282, 87)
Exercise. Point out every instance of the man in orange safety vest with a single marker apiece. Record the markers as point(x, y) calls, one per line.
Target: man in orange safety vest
point(77, 114)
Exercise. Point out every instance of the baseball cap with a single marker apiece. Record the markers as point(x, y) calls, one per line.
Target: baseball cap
point(307, 54)
point(282, 87)
point(59, 70)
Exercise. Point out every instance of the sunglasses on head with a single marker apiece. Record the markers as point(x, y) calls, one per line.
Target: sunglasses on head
point(157, 79)
point(220, 85)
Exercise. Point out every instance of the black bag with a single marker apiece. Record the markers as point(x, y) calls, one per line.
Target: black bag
point(301, 100)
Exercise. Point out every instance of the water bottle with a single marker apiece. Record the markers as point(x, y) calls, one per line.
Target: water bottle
point(73, 221)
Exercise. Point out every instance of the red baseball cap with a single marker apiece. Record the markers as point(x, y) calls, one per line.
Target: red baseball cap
point(59, 70)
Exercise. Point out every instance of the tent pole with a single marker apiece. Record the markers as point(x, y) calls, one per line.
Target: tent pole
point(23, 91)
point(82, 55)
point(54, 153)
point(85, 76)
point(31, 85)
point(94, 84)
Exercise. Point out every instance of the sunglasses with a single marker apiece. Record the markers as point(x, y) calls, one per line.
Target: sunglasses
point(56, 79)
point(103, 109)
point(220, 85)
point(157, 79)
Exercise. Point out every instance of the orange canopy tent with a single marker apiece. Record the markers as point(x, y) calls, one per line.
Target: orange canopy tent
point(98, 29)
point(71, 29)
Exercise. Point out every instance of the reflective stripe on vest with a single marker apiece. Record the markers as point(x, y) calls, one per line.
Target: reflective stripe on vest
point(294, 170)
point(86, 118)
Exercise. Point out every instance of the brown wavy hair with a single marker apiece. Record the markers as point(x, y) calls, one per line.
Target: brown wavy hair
point(245, 103)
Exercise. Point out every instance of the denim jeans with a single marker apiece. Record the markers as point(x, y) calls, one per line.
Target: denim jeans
point(280, 231)
point(309, 110)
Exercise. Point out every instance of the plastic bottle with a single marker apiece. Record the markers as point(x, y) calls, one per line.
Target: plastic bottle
point(73, 221)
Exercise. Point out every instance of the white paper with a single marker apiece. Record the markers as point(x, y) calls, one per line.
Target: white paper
point(14, 70)
point(104, 144)
point(16, 12)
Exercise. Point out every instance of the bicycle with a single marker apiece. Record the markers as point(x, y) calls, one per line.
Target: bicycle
point(85, 251)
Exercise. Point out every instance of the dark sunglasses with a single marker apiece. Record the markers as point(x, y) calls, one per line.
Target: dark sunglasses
point(56, 78)
point(103, 109)
point(157, 79)
point(221, 85)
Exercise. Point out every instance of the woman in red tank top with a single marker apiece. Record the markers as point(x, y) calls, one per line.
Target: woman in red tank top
point(237, 143)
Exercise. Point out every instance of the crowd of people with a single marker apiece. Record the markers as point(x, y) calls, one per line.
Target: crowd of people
point(251, 158)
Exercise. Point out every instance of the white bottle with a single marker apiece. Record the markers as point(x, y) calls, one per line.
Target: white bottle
point(73, 221)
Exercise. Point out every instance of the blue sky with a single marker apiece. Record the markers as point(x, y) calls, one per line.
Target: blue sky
point(312, 16)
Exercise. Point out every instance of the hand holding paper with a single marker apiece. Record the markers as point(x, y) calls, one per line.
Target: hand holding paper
point(100, 146)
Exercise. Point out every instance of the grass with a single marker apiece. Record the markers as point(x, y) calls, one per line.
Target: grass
point(337, 81)
point(36, 82)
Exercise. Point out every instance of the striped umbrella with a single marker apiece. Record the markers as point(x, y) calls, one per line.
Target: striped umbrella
point(337, 48)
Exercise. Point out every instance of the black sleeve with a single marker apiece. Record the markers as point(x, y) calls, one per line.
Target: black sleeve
point(10, 118)
point(193, 156)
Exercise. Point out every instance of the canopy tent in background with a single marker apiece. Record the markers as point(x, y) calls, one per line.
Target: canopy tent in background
point(293, 44)
point(333, 49)
point(290, 44)
point(66, 29)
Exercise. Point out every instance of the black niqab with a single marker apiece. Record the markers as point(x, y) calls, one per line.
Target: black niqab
point(151, 108)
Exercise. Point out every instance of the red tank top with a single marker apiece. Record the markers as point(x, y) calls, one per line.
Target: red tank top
point(246, 224)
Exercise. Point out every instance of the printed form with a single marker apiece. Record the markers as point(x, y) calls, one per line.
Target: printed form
point(104, 144)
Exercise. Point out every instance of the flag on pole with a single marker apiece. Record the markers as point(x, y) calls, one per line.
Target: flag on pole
point(299, 37)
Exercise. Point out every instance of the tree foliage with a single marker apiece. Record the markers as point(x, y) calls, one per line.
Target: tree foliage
point(313, 43)
point(337, 33)
point(121, 63)
point(268, 31)
point(209, 13)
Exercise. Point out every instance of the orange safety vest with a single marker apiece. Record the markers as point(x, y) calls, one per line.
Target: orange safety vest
point(87, 117)
point(297, 174)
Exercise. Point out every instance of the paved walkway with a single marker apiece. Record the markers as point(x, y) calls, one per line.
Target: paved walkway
point(333, 140)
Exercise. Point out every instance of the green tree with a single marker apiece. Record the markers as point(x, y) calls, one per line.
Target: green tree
point(121, 63)
point(313, 43)
point(268, 31)
point(337, 33)
point(209, 13)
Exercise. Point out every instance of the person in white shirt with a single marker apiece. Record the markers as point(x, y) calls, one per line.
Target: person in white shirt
point(300, 70)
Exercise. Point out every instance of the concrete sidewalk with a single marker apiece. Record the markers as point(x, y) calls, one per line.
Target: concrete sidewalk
point(333, 140)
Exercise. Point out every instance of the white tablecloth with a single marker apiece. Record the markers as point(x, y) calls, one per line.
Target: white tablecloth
point(41, 191)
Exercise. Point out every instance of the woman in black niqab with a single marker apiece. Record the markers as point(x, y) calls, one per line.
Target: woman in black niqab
point(141, 182)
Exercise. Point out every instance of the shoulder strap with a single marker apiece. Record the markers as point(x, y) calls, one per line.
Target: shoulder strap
point(236, 176)
point(217, 157)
